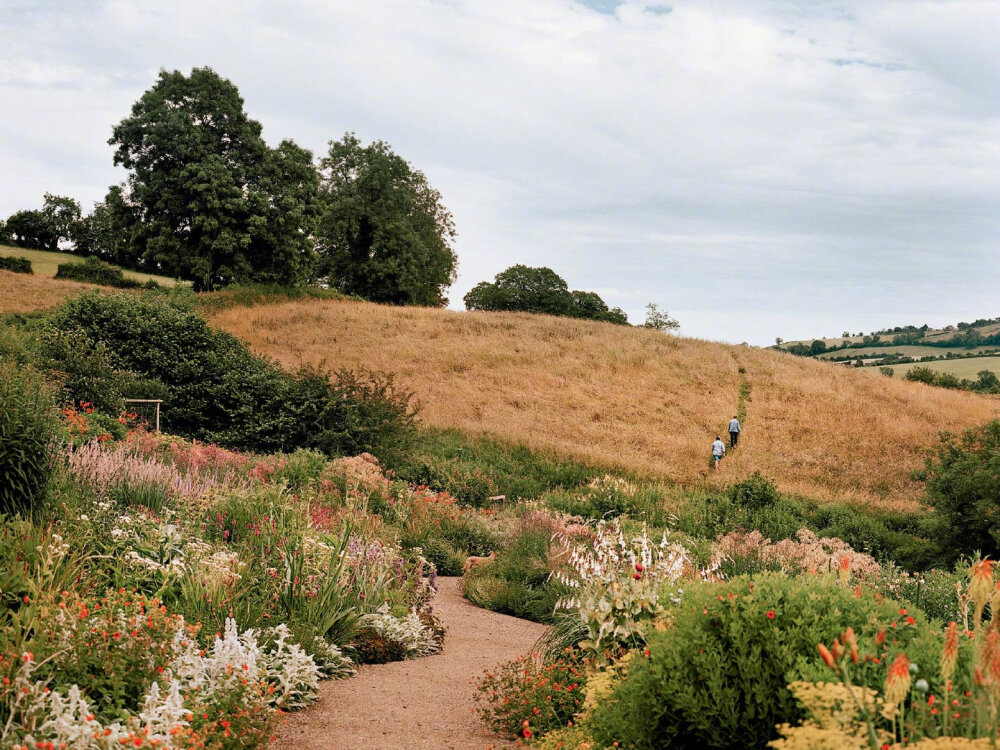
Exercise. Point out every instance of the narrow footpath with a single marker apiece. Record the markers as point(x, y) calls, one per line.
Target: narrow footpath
point(419, 703)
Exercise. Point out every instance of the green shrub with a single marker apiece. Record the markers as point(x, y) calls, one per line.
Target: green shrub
point(904, 539)
point(301, 469)
point(963, 485)
point(446, 559)
point(517, 581)
point(754, 492)
point(29, 427)
point(717, 677)
point(524, 693)
point(215, 389)
point(350, 412)
point(95, 271)
point(474, 469)
point(372, 647)
point(15, 265)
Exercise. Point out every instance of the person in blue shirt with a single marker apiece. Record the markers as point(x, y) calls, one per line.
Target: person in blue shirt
point(718, 451)
point(734, 432)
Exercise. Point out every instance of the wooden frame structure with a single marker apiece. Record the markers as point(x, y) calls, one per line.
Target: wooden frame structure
point(156, 401)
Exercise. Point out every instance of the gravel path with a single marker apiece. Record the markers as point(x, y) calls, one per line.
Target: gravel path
point(421, 703)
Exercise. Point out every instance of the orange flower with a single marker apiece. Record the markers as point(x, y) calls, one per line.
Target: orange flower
point(844, 574)
point(897, 684)
point(949, 654)
point(827, 657)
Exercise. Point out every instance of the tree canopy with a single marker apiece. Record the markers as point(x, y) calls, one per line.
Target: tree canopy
point(214, 204)
point(43, 229)
point(540, 290)
point(383, 234)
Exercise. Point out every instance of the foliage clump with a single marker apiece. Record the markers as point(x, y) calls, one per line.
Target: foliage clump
point(29, 427)
point(96, 271)
point(963, 485)
point(15, 265)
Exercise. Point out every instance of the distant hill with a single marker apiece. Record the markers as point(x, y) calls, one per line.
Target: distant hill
point(646, 400)
point(962, 350)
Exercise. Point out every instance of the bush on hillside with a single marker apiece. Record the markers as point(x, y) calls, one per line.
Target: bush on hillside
point(16, 265)
point(963, 485)
point(95, 271)
point(718, 675)
point(755, 492)
point(351, 412)
point(216, 390)
point(28, 428)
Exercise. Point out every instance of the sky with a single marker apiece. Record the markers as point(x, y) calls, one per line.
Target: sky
point(758, 168)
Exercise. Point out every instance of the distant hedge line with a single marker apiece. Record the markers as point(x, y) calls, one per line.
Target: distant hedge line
point(17, 265)
point(97, 271)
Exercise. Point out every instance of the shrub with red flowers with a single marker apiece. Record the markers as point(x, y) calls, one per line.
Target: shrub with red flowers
point(717, 675)
point(526, 694)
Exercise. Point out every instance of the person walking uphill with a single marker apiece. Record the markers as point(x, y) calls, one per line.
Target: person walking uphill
point(734, 431)
point(718, 451)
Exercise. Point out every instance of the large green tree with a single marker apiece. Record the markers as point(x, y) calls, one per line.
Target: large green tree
point(384, 233)
point(540, 290)
point(213, 202)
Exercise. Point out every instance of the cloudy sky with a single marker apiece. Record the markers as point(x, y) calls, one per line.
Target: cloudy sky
point(758, 168)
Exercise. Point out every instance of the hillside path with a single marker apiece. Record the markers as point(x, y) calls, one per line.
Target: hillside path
point(419, 703)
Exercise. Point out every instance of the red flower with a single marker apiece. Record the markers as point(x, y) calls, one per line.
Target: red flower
point(770, 614)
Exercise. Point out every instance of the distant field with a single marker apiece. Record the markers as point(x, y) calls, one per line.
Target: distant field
point(45, 263)
point(630, 396)
point(962, 368)
point(906, 351)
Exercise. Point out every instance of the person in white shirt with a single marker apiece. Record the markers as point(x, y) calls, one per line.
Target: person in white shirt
point(718, 451)
point(734, 431)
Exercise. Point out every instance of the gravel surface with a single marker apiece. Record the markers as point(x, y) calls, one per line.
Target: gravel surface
point(421, 703)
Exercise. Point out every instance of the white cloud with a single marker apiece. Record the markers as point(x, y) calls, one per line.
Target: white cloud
point(798, 161)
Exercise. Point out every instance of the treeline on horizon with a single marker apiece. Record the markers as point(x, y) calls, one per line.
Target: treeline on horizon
point(206, 200)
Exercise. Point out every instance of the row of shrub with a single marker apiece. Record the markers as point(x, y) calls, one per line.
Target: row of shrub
point(15, 265)
point(96, 271)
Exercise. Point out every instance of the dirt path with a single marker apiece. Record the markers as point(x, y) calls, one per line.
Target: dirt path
point(421, 703)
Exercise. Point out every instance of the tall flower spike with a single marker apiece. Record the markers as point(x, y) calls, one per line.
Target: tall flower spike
point(844, 574)
point(897, 684)
point(981, 588)
point(827, 657)
point(949, 654)
point(995, 604)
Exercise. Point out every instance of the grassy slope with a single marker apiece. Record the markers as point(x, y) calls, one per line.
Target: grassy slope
point(23, 293)
point(635, 397)
point(45, 263)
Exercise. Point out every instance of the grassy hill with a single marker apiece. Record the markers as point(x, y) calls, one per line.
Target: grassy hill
point(45, 263)
point(633, 397)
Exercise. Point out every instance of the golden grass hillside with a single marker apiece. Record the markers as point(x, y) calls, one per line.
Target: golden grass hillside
point(24, 293)
point(629, 396)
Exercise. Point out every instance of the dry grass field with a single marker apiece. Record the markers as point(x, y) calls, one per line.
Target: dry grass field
point(633, 397)
point(23, 293)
